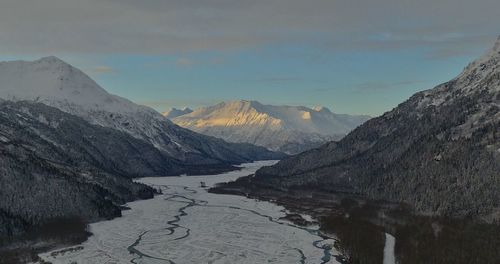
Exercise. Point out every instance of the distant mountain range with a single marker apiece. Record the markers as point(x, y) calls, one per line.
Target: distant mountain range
point(290, 129)
point(55, 83)
point(439, 151)
point(174, 112)
point(69, 149)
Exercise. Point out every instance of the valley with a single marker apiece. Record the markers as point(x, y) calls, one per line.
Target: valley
point(376, 231)
point(185, 224)
point(249, 132)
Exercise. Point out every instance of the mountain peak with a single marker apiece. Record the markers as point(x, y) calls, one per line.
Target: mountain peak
point(485, 65)
point(459, 122)
point(279, 127)
point(495, 51)
point(55, 82)
point(320, 108)
point(242, 105)
point(244, 102)
point(51, 60)
point(174, 112)
point(496, 47)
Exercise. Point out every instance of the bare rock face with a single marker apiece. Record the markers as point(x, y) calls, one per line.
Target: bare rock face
point(289, 129)
point(438, 151)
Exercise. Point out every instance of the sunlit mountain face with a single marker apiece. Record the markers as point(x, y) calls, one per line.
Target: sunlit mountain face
point(424, 172)
point(289, 129)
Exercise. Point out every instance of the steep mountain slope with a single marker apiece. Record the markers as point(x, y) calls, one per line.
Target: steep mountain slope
point(174, 112)
point(439, 151)
point(290, 129)
point(54, 165)
point(58, 84)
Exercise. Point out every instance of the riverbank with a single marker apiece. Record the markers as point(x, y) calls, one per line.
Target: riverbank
point(57, 234)
point(365, 228)
point(186, 224)
point(62, 233)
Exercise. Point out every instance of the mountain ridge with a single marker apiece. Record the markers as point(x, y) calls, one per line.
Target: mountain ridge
point(291, 129)
point(439, 151)
point(56, 83)
point(174, 112)
point(45, 149)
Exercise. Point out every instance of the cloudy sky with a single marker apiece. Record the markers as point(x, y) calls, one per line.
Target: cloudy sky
point(354, 56)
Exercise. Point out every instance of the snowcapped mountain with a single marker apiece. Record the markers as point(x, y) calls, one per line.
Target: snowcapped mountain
point(174, 112)
point(53, 82)
point(439, 151)
point(290, 129)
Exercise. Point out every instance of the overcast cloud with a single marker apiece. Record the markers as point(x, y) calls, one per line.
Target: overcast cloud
point(162, 26)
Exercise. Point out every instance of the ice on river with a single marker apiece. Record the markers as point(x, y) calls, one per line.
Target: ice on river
point(188, 225)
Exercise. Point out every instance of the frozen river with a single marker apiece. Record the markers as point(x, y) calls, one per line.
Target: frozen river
point(188, 225)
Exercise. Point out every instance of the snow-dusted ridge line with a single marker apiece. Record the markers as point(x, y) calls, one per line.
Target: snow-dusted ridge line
point(443, 140)
point(285, 128)
point(54, 82)
point(174, 112)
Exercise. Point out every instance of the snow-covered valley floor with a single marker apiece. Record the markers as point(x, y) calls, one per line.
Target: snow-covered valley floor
point(188, 225)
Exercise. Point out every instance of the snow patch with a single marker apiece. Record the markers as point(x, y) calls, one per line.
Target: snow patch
point(214, 228)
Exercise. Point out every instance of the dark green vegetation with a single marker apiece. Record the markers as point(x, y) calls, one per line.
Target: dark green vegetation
point(447, 241)
point(55, 166)
point(360, 230)
point(359, 226)
point(71, 159)
point(439, 151)
point(24, 248)
point(359, 241)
